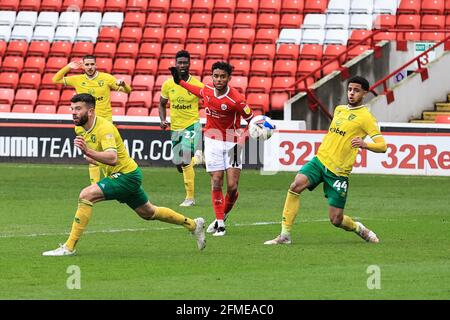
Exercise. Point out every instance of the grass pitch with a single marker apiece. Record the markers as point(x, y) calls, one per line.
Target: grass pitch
point(124, 257)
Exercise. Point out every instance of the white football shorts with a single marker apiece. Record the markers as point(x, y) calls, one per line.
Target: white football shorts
point(222, 155)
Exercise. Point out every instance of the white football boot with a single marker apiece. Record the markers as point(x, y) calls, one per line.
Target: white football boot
point(188, 203)
point(199, 158)
point(367, 234)
point(220, 232)
point(212, 227)
point(280, 239)
point(61, 251)
point(199, 233)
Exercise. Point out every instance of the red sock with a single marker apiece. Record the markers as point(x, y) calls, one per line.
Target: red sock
point(230, 201)
point(217, 201)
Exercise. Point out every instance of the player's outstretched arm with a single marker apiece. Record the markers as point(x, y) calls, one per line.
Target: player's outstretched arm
point(177, 79)
point(108, 157)
point(123, 86)
point(58, 78)
point(378, 145)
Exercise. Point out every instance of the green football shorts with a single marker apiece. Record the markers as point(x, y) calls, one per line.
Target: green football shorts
point(334, 187)
point(185, 142)
point(125, 188)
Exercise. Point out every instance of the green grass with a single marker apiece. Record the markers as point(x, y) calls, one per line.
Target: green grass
point(153, 260)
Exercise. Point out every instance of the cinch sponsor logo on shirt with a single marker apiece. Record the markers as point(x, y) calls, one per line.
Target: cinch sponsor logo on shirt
point(182, 106)
point(336, 130)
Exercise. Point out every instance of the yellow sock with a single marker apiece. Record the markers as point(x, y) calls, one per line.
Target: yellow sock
point(170, 216)
point(290, 211)
point(94, 173)
point(189, 180)
point(348, 224)
point(80, 222)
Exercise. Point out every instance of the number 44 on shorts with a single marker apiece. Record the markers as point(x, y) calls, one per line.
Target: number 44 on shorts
point(340, 185)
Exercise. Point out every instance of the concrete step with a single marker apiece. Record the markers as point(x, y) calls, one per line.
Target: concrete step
point(431, 115)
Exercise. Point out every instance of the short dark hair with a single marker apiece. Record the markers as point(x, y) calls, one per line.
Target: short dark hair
point(89, 56)
point(182, 54)
point(222, 65)
point(88, 99)
point(360, 80)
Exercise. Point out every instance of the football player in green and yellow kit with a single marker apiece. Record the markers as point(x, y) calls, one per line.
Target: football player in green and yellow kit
point(101, 144)
point(97, 84)
point(334, 161)
point(186, 130)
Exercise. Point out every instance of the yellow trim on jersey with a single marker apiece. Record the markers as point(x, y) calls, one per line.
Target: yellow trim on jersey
point(336, 151)
point(183, 104)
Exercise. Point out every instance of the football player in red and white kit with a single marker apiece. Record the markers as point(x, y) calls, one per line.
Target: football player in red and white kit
point(224, 138)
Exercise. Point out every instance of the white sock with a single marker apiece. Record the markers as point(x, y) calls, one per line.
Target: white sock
point(220, 223)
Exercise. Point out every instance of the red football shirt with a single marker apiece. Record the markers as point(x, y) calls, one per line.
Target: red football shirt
point(223, 113)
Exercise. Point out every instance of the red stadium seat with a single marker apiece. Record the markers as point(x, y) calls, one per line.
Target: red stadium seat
point(315, 6)
point(72, 5)
point(137, 5)
point(266, 36)
point(25, 96)
point(180, 6)
point(66, 96)
point(94, 5)
point(224, 6)
point(270, 6)
point(60, 49)
point(48, 96)
point(358, 35)
point(5, 108)
point(169, 50)
point(164, 65)
point(109, 34)
point(447, 7)
point(200, 20)
point(207, 69)
point(385, 21)
point(153, 35)
point(131, 34)
point(146, 66)
point(307, 66)
point(301, 85)
point(218, 51)
point(409, 36)
point(118, 99)
point(178, 20)
point(104, 64)
point(127, 50)
point(154, 112)
point(196, 67)
point(42, 108)
point(64, 109)
point(17, 48)
point(9, 5)
point(124, 65)
point(442, 119)
point(141, 112)
point(117, 111)
point(220, 35)
point(134, 19)
point(156, 19)
point(243, 35)
point(268, 20)
point(158, 5)
point(409, 7)
point(140, 99)
point(13, 64)
point(222, 20)
point(54, 64)
point(6, 96)
point(155, 102)
point(245, 20)
point(149, 50)
point(261, 68)
point(105, 50)
point(259, 85)
point(82, 48)
point(23, 108)
point(333, 50)
point(447, 21)
point(408, 21)
point(292, 6)
point(433, 7)
point(175, 35)
point(258, 101)
point(239, 83)
point(357, 51)
point(241, 51)
point(39, 48)
point(29, 5)
point(202, 6)
point(291, 21)
point(3, 46)
point(47, 83)
point(282, 84)
point(29, 80)
point(430, 21)
point(196, 50)
point(159, 81)
point(277, 100)
point(264, 51)
point(9, 80)
point(51, 5)
point(329, 68)
point(143, 82)
point(197, 35)
point(250, 6)
point(115, 5)
point(433, 36)
point(284, 68)
point(287, 51)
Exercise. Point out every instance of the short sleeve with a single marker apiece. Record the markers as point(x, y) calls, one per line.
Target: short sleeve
point(165, 90)
point(244, 109)
point(371, 127)
point(112, 82)
point(107, 139)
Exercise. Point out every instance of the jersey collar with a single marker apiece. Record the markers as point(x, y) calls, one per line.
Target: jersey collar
point(95, 76)
point(224, 95)
point(93, 125)
point(355, 108)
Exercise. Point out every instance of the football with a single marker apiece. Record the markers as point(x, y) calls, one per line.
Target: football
point(261, 127)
